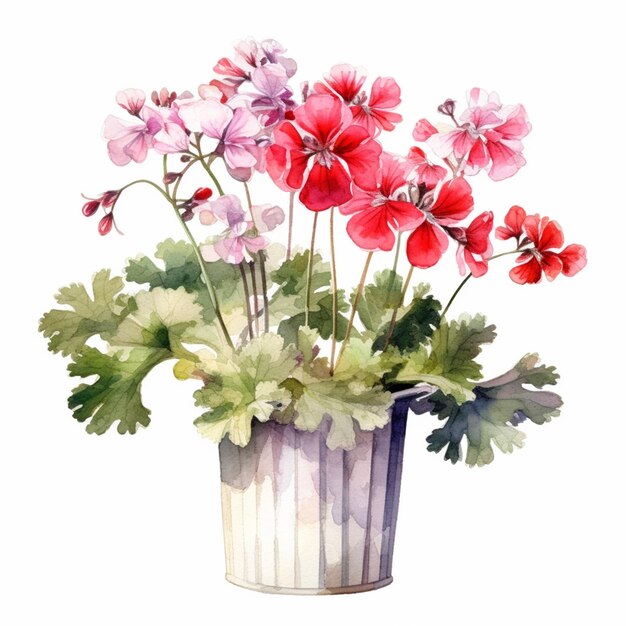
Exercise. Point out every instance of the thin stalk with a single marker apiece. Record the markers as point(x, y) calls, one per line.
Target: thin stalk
point(464, 281)
point(147, 182)
point(394, 316)
point(333, 266)
point(263, 272)
point(290, 232)
point(205, 274)
point(392, 278)
point(266, 301)
point(207, 165)
point(355, 304)
point(309, 271)
point(246, 292)
point(255, 294)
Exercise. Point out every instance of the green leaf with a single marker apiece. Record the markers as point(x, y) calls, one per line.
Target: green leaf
point(379, 299)
point(244, 384)
point(163, 319)
point(500, 405)
point(415, 323)
point(116, 395)
point(69, 329)
point(344, 404)
point(449, 362)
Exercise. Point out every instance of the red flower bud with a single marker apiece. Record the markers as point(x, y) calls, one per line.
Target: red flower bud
point(89, 208)
point(109, 198)
point(201, 194)
point(289, 115)
point(105, 224)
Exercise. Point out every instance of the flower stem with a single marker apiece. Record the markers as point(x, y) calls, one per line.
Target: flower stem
point(290, 232)
point(355, 304)
point(309, 271)
point(246, 292)
point(263, 272)
point(207, 280)
point(464, 281)
point(392, 278)
point(207, 165)
point(394, 316)
point(333, 266)
point(255, 294)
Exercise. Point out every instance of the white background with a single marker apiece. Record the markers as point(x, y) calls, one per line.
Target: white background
point(127, 530)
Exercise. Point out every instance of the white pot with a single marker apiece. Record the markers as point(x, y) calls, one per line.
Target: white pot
point(302, 519)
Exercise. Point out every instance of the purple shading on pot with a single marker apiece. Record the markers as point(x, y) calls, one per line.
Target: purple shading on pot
point(301, 518)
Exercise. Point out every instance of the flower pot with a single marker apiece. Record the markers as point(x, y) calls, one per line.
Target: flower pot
point(300, 518)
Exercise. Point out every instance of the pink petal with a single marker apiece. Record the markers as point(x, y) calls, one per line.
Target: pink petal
point(230, 249)
point(505, 161)
point(270, 80)
point(237, 156)
point(228, 209)
point(385, 94)
point(516, 125)
point(423, 130)
point(394, 172)
point(405, 215)
point(267, 217)
point(208, 116)
point(360, 201)
point(363, 163)
point(346, 80)
point(131, 99)
point(243, 126)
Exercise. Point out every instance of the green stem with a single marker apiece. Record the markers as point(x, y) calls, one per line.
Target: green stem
point(333, 267)
point(255, 294)
point(263, 272)
point(290, 231)
point(392, 278)
point(355, 305)
point(309, 271)
point(246, 292)
point(466, 279)
point(394, 316)
point(147, 182)
point(207, 165)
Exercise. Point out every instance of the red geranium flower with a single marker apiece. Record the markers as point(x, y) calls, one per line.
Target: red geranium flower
point(377, 212)
point(544, 237)
point(428, 241)
point(324, 134)
point(474, 245)
point(374, 112)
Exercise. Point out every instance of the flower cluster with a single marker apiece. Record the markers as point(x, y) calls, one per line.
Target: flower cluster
point(260, 311)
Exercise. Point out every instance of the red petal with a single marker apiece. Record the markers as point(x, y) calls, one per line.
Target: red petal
point(478, 267)
point(322, 116)
point(346, 80)
point(286, 135)
point(298, 162)
point(454, 201)
point(514, 220)
point(326, 187)
point(425, 245)
point(478, 156)
point(532, 226)
point(350, 139)
point(574, 258)
point(405, 215)
point(551, 265)
point(529, 272)
point(369, 230)
point(477, 233)
point(551, 236)
point(385, 94)
point(360, 201)
point(363, 163)
point(394, 171)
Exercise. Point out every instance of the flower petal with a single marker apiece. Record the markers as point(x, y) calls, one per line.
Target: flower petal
point(326, 187)
point(529, 272)
point(574, 258)
point(425, 245)
point(454, 201)
point(370, 230)
point(323, 116)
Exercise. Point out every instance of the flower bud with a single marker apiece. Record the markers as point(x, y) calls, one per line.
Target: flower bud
point(185, 158)
point(89, 208)
point(105, 224)
point(170, 177)
point(447, 108)
point(187, 215)
point(202, 194)
point(109, 198)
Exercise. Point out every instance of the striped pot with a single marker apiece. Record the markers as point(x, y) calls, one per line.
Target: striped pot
point(302, 519)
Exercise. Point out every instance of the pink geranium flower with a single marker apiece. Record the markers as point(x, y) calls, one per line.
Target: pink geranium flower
point(242, 236)
point(429, 241)
point(424, 172)
point(488, 137)
point(377, 213)
point(322, 153)
point(374, 113)
point(231, 133)
point(130, 141)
